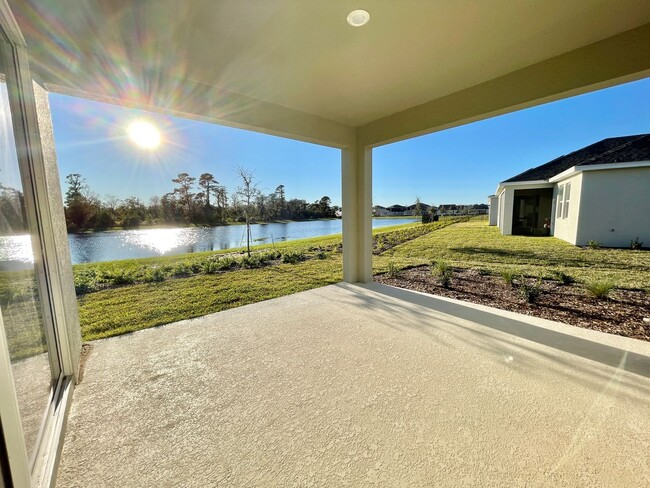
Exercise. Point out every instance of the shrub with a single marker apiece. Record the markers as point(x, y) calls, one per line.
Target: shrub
point(252, 261)
point(635, 244)
point(443, 272)
point(561, 277)
point(393, 270)
point(154, 274)
point(508, 276)
point(180, 270)
point(121, 277)
point(600, 288)
point(530, 291)
point(321, 255)
point(210, 267)
point(81, 287)
point(593, 244)
point(293, 257)
point(225, 263)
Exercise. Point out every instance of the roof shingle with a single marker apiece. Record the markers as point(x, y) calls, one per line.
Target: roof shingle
point(608, 151)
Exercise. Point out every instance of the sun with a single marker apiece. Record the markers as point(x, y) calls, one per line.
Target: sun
point(144, 134)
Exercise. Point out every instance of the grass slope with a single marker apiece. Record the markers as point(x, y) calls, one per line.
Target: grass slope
point(135, 307)
point(476, 245)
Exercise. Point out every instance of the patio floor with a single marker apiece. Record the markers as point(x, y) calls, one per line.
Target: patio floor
point(352, 385)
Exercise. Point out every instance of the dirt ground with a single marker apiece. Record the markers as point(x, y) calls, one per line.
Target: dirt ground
point(622, 313)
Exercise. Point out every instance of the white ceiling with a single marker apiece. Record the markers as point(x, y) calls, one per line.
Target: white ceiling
point(302, 54)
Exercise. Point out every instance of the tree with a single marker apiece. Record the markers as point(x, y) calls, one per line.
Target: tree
point(325, 206)
point(76, 187)
point(281, 201)
point(80, 209)
point(185, 183)
point(418, 207)
point(248, 191)
point(209, 184)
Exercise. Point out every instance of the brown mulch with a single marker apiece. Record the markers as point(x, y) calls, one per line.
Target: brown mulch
point(622, 313)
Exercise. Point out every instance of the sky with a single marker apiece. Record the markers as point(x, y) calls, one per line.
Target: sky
point(461, 165)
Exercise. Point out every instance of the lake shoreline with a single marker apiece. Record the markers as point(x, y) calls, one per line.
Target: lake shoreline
point(160, 241)
point(200, 226)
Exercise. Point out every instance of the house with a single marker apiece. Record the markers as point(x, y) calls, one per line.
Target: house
point(351, 81)
point(598, 193)
point(396, 210)
point(379, 211)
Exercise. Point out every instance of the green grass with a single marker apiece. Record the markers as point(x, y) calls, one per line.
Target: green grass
point(476, 245)
point(120, 310)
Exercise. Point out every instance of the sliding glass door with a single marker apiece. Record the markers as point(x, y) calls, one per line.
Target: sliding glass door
point(33, 356)
point(32, 383)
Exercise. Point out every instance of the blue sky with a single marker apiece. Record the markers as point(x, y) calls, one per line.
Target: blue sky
point(461, 165)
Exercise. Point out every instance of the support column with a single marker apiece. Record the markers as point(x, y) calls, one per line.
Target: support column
point(356, 176)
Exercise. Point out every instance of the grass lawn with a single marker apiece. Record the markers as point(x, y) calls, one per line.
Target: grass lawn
point(476, 245)
point(126, 309)
point(193, 293)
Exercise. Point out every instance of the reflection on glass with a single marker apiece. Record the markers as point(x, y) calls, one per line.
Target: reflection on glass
point(19, 297)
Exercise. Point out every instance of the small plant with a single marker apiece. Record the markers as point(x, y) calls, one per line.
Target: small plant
point(600, 288)
point(321, 255)
point(154, 275)
point(635, 244)
point(293, 257)
point(530, 291)
point(561, 277)
point(210, 267)
point(393, 270)
point(180, 270)
point(443, 272)
point(509, 276)
point(252, 261)
point(593, 244)
point(225, 263)
point(122, 278)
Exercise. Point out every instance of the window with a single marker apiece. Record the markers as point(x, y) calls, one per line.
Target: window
point(560, 196)
point(567, 195)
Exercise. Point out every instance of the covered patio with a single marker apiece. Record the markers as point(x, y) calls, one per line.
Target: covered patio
point(361, 385)
point(352, 384)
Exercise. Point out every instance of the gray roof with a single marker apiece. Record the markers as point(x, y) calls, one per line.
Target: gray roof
point(608, 151)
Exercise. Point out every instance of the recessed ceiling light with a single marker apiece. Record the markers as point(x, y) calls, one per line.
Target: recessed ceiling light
point(357, 18)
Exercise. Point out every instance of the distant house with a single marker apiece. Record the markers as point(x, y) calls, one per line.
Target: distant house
point(448, 209)
point(399, 210)
point(600, 192)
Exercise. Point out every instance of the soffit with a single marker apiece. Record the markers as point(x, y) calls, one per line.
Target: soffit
point(302, 54)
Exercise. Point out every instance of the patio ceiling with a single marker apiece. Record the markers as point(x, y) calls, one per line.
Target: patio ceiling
point(298, 69)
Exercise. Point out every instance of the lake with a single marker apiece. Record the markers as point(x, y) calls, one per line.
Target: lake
point(144, 243)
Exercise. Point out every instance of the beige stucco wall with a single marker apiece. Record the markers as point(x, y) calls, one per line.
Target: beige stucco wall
point(506, 199)
point(614, 207)
point(493, 202)
point(566, 228)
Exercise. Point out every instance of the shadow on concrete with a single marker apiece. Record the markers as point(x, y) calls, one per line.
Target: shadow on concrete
point(612, 356)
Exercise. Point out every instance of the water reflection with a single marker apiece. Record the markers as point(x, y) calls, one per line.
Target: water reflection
point(142, 243)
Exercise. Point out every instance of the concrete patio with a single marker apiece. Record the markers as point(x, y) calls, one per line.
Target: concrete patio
point(351, 385)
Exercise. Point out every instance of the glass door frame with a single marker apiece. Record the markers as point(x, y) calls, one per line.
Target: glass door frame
point(40, 470)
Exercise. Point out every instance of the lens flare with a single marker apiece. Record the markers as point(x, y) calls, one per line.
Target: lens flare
point(144, 134)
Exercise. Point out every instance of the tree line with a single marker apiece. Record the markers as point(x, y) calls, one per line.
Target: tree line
point(198, 201)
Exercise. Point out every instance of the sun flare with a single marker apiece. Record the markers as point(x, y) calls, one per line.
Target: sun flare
point(144, 134)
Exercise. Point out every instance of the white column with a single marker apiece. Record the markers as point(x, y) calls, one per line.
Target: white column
point(356, 176)
point(508, 203)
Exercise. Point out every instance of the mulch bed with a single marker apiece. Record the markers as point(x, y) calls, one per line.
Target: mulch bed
point(622, 313)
